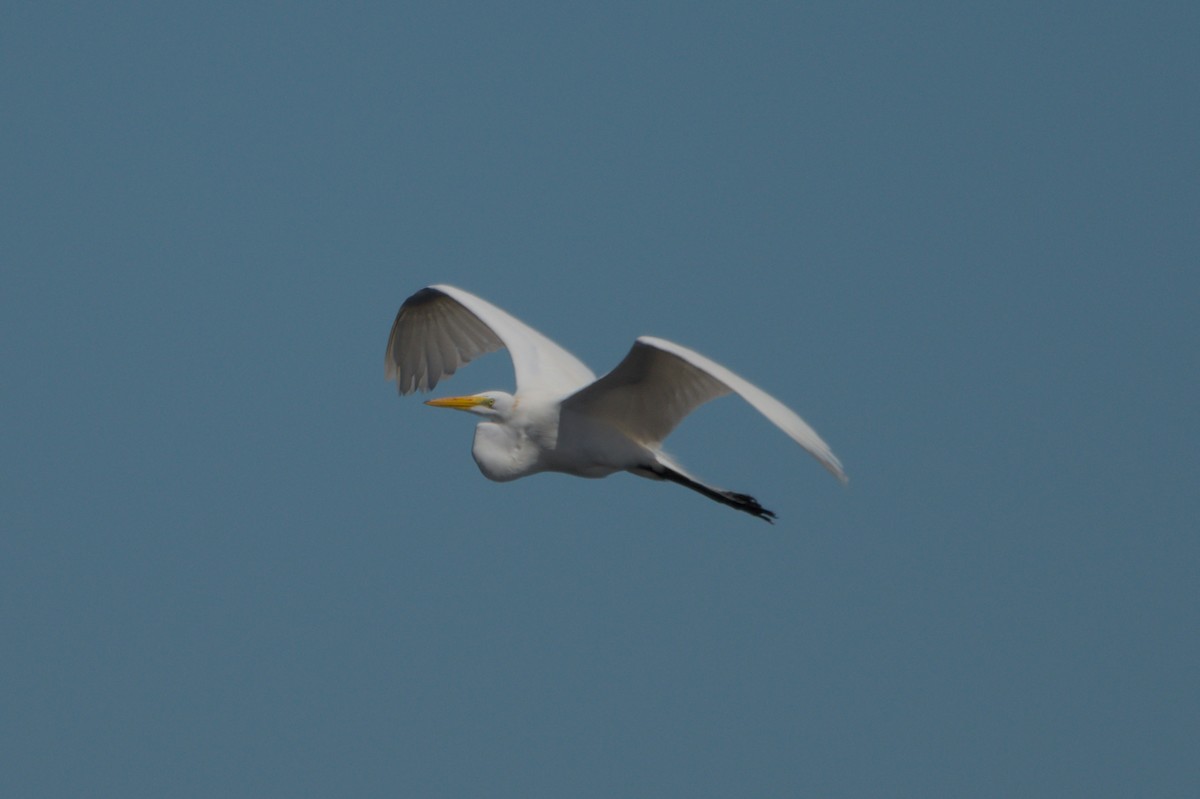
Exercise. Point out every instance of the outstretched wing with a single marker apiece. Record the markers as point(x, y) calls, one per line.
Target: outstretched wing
point(659, 383)
point(440, 328)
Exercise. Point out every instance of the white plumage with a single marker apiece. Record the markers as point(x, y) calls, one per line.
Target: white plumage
point(562, 418)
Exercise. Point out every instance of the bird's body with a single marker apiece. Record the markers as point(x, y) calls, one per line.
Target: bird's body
point(563, 419)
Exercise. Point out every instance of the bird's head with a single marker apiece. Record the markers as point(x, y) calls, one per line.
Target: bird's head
point(492, 404)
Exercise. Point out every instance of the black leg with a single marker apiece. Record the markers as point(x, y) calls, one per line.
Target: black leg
point(742, 502)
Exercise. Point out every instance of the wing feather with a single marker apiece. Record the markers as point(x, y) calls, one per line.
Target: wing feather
point(648, 393)
point(441, 328)
point(659, 383)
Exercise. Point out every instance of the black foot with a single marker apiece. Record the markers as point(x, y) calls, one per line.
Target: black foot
point(748, 504)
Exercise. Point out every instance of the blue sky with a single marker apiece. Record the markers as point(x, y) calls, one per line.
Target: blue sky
point(961, 241)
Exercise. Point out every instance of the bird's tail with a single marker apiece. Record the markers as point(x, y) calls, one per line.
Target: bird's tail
point(664, 469)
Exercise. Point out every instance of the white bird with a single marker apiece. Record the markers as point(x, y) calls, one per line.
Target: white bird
point(562, 418)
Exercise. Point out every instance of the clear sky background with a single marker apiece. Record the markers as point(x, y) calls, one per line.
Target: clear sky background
point(961, 240)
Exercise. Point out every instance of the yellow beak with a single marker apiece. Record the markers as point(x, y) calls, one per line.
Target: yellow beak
point(458, 403)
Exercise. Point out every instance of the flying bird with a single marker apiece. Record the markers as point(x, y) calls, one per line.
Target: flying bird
point(562, 418)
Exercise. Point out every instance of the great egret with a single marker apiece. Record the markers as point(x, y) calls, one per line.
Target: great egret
point(563, 419)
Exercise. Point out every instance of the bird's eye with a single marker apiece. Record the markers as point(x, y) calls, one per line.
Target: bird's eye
point(491, 402)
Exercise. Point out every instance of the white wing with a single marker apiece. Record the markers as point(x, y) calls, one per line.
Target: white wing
point(440, 328)
point(659, 383)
